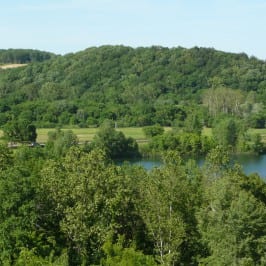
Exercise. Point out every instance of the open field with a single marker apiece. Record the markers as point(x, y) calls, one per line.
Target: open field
point(83, 134)
point(262, 132)
point(208, 132)
point(12, 66)
point(87, 134)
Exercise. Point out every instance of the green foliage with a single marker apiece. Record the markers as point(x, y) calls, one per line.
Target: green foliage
point(29, 258)
point(23, 56)
point(151, 131)
point(88, 199)
point(118, 255)
point(216, 165)
point(5, 157)
point(256, 120)
point(170, 196)
point(20, 131)
point(192, 124)
point(223, 100)
point(70, 205)
point(232, 223)
point(134, 87)
point(191, 144)
point(257, 145)
point(230, 132)
point(17, 214)
point(60, 141)
point(114, 143)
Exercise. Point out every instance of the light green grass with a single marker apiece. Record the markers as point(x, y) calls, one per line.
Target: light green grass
point(87, 134)
point(261, 132)
point(83, 134)
point(207, 131)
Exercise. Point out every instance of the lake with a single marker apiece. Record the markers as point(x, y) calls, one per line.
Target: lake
point(250, 163)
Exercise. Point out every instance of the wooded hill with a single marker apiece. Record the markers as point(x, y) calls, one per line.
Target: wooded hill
point(23, 56)
point(134, 87)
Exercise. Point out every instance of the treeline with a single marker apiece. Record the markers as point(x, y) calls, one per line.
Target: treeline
point(136, 87)
point(65, 204)
point(23, 56)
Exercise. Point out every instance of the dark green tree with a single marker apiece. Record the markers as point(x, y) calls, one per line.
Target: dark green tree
point(193, 124)
point(87, 199)
point(232, 223)
point(229, 132)
point(20, 131)
point(151, 131)
point(60, 141)
point(119, 255)
point(114, 142)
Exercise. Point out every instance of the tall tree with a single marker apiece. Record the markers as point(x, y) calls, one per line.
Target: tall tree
point(232, 224)
point(229, 132)
point(20, 130)
point(223, 100)
point(89, 200)
point(115, 143)
point(169, 198)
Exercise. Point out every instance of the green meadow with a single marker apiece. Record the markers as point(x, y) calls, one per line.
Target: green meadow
point(87, 134)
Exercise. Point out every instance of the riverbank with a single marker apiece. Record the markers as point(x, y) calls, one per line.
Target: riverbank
point(250, 163)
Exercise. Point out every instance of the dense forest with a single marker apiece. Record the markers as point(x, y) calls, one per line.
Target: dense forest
point(135, 87)
point(69, 204)
point(23, 56)
point(65, 204)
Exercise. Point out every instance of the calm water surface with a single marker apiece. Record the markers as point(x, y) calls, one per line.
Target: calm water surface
point(250, 163)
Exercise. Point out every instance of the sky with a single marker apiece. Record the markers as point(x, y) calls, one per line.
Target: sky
point(65, 26)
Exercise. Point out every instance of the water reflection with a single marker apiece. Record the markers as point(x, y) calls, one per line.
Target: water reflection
point(250, 163)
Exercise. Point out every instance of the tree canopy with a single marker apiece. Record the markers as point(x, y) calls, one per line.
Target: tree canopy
point(134, 87)
point(79, 208)
point(23, 56)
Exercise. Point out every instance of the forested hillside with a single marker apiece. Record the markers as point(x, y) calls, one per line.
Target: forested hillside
point(23, 56)
point(64, 204)
point(135, 87)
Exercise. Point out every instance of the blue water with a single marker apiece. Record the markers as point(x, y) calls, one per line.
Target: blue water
point(250, 163)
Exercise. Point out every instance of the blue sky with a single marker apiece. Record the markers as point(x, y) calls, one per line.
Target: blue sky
point(64, 26)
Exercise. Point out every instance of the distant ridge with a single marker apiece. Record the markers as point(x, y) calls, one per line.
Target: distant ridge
point(23, 56)
point(132, 86)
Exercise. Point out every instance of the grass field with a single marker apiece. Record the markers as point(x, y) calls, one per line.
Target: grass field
point(87, 134)
point(262, 132)
point(6, 66)
point(252, 131)
point(83, 134)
